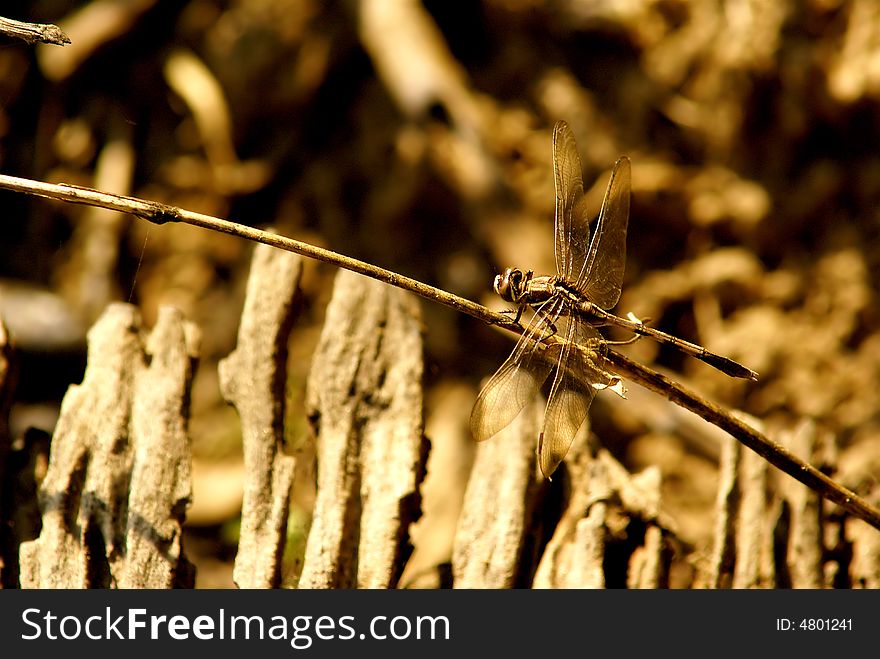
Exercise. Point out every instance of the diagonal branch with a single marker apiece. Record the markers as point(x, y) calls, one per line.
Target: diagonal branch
point(161, 213)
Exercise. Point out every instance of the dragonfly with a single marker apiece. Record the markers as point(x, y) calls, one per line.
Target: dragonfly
point(568, 307)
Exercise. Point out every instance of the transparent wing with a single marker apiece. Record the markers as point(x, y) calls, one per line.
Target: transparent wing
point(572, 233)
point(518, 379)
point(601, 275)
point(570, 394)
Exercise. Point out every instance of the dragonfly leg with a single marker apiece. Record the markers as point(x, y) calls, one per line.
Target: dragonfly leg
point(518, 311)
point(633, 339)
point(549, 328)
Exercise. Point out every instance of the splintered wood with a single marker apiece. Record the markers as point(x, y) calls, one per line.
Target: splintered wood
point(498, 503)
point(364, 398)
point(118, 483)
point(602, 495)
point(252, 379)
point(781, 542)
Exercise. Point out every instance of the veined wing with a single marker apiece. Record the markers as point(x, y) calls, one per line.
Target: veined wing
point(518, 379)
point(601, 274)
point(594, 265)
point(572, 239)
point(570, 395)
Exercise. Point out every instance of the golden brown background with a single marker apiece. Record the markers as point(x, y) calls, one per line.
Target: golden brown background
point(416, 136)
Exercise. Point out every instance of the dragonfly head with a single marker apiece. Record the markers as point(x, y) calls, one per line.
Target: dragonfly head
point(511, 284)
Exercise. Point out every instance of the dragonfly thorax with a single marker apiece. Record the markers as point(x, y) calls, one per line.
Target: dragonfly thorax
point(520, 287)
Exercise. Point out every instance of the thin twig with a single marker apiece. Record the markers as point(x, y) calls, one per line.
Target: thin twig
point(33, 32)
point(161, 213)
point(765, 447)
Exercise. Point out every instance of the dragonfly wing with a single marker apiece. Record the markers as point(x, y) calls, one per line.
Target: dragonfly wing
point(518, 379)
point(504, 396)
point(570, 395)
point(601, 275)
point(572, 240)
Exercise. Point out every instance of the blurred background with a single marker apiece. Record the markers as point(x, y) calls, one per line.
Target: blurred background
point(416, 135)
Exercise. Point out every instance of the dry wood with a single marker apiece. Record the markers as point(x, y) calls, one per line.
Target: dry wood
point(865, 566)
point(647, 568)
point(161, 473)
point(805, 526)
point(448, 468)
point(573, 557)
point(500, 495)
point(587, 563)
point(117, 486)
point(648, 565)
point(252, 379)
point(726, 507)
point(742, 555)
point(364, 399)
point(754, 565)
point(639, 494)
point(589, 486)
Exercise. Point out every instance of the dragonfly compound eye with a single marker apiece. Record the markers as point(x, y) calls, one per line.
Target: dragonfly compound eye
point(509, 284)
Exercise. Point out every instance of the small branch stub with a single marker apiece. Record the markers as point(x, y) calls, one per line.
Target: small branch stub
point(33, 32)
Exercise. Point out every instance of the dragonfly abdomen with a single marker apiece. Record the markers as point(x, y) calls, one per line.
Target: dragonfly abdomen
point(723, 364)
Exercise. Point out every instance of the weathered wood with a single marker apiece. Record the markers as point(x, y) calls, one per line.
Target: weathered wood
point(754, 565)
point(364, 398)
point(574, 557)
point(161, 474)
point(639, 493)
point(113, 501)
point(805, 529)
point(587, 562)
point(500, 495)
point(449, 465)
point(252, 379)
point(865, 566)
point(648, 567)
point(720, 569)
point(587, 487)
